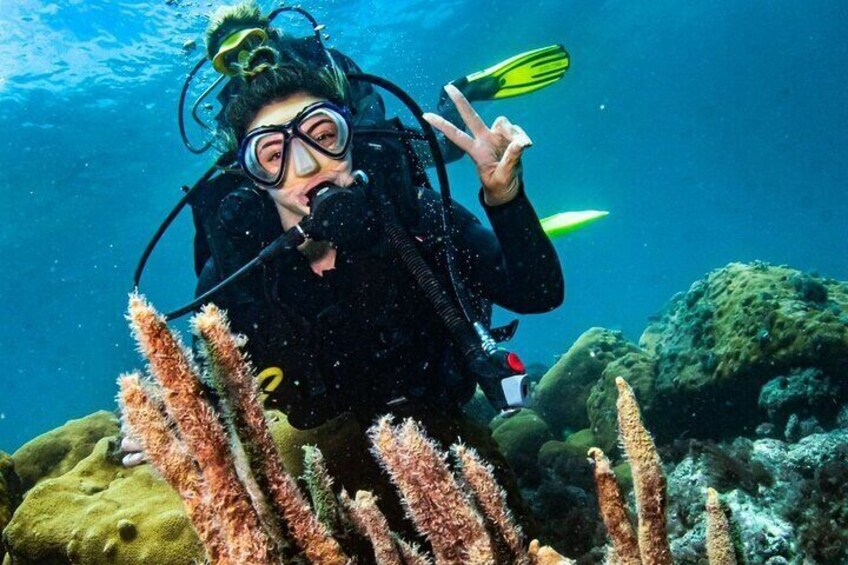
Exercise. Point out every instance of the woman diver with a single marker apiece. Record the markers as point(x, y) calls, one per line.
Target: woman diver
point(338, 328)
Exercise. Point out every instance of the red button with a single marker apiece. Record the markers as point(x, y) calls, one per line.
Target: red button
point(514, 362)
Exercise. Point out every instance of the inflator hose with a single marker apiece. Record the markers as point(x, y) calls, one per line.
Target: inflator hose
point(458, 326)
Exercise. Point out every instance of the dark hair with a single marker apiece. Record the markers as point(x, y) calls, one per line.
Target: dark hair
point(267, 81)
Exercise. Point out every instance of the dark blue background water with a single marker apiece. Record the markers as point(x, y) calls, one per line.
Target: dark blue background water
point(713, 133)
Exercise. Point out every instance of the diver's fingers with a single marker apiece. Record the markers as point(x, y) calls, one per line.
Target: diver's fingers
point(521, 136)
point(129, 444)
point(453, 133)
point(511, 157)
point(510, 131)
point(133, 459)
point(469, 114)
point(502, 127)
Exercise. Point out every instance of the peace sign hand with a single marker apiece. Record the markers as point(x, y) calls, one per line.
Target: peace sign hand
point(496, 151)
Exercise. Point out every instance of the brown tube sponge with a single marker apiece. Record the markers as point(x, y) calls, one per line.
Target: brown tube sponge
point(614, 511)
point(648, 478)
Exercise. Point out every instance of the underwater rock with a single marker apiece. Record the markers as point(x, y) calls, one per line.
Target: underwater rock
point(101, 512)
point(560, 397)
point(794, 512)
point(802, 392)
point(636, 367)
point(796, 428)
point(10, 492)
point(56, 452)
point(734, 331)
point(520, 437)
point(842, 417)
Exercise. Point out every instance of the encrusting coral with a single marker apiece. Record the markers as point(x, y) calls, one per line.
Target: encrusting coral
point(196, 442)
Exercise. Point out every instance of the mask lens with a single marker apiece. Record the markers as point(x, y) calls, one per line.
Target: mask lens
point(263, 156)
point(327, 130)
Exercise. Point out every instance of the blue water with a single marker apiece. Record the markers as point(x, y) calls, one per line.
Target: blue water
point(714, 132)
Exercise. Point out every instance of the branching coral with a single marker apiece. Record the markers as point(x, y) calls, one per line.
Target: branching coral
point(613, 510)
point(720, 549)
point(234, 375)
point(432, 497)
point(648, 478)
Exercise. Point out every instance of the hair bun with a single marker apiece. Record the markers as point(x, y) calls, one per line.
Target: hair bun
point(261, 59)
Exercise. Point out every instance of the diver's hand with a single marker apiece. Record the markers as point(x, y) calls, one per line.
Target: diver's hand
point(133, 454)
point(496, 151)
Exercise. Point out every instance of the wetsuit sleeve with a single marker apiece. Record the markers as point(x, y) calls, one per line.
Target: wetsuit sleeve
point(514, 264)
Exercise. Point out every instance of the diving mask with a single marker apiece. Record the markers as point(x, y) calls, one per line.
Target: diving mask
point(321, 126)
point(235, 48)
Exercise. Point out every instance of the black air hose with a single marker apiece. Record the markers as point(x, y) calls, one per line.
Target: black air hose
point(459, 328)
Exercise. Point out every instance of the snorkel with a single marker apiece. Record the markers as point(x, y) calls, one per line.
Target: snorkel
point(499, 372)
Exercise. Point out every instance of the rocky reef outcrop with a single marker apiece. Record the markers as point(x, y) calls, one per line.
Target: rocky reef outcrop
point(58, 451)
point(750, 353)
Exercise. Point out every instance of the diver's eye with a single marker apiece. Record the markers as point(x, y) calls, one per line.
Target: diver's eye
point(326, 138)
point(271, 157)
point(323, 130)
point(269, 150)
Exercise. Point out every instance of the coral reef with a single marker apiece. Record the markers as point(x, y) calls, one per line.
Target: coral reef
point(520, 437)
point(238, 507)
point(650, 544)
point(573, 377)
point(796, 510)
point(715, 347)
point(743, 381)
point(10, 492)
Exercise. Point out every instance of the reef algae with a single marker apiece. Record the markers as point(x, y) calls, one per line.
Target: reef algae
point(100, 512)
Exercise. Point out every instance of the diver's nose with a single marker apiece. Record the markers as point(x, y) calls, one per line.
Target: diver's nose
point(304, 164)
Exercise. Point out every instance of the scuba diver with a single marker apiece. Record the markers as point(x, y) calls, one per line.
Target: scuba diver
point(338, 326)
point(379, 297)
point(235, 32)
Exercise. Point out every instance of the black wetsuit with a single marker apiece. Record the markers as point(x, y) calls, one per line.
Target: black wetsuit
point(362, 338)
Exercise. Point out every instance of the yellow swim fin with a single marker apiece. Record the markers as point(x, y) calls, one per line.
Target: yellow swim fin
point(520, 74)
point(567, 222)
